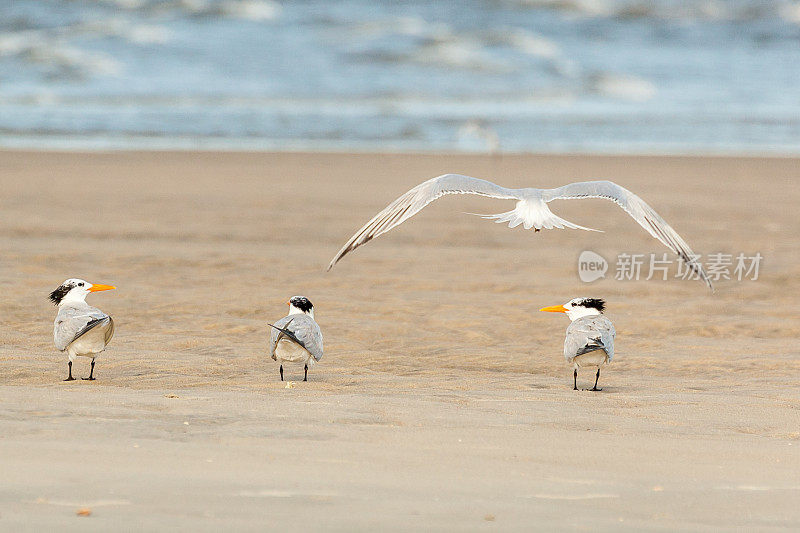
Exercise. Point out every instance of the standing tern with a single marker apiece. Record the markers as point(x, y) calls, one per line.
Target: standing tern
point(531, 211)
point(296, 338)
point(590, 335)
point(79, 328)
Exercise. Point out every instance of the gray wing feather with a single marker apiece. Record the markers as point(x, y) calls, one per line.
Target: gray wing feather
point(412, 202)
point(638, 209)
point(72, 322)
point(588, 334)
point(304, 328)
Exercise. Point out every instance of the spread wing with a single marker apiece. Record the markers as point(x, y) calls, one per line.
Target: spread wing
point(588, 334)
point(531, 211)
point(638, 209)
point(414, 200)
point(71, 323)
point(300, 329)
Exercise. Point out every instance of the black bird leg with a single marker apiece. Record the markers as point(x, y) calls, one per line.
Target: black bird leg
point(70, 378)
point(91, 373)
point(595, 381)
point(575, 379)
point(281, 372)
point(305, 378)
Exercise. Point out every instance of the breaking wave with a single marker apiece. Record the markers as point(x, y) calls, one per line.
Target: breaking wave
point(487, 75)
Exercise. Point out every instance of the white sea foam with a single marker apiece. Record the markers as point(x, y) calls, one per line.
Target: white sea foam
point(14, 43)
point(678, 10)
point(126, 4)
point(250, 9)
point(73, 58)
point(476, 135)
point(254, 10)
point(559, 74)
point(412, 26)
point(460, 53)
point(49, 50)
point(523, 40)
point(790, 12)
point(147, 34)
point(623, 86)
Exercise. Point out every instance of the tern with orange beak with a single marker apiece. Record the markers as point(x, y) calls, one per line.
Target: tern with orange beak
point(590, 335)
point(530, 211)
point(296, 338)
point(79, 328)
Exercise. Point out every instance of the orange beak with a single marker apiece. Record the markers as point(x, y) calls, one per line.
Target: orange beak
point(554, 309)
point(98, 287)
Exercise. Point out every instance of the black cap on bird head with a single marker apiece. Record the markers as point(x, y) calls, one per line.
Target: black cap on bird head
point(302, 303)
point(57, 295)
point(592, 303)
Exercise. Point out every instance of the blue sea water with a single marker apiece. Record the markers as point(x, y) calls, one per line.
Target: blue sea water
point(489, 75)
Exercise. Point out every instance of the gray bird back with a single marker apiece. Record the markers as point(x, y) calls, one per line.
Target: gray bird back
point(304, 328)
point(74, 320)
point(587, 334)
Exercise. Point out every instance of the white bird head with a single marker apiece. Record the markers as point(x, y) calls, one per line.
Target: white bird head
point(76, 290)
point(578, 307)
point(300, 304)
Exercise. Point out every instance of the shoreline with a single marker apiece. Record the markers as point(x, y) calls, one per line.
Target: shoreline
point(279, 147)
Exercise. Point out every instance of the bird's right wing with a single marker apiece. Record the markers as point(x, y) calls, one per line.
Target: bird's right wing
point(72, 323)
point(414, 200)
point(607, 334)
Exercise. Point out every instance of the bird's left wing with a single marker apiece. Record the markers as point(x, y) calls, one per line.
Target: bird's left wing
point(277, 331)
point(412, 202)
point(638, 209)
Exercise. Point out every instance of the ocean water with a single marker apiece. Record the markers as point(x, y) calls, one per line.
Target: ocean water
point(490, 75)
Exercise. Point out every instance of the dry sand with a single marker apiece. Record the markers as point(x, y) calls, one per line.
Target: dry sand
point(443, 401)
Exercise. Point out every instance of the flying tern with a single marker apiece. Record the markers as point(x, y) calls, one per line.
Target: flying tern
point(531, 211)
point(296, 338)
point(590, 335)
point(79, 328)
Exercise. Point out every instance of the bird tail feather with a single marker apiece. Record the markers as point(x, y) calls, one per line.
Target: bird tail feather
point(532, 214)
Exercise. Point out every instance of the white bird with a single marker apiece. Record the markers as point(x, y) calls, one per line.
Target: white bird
point(296, 338)
point(531, 211)
point(79, 328)
point(590, 335)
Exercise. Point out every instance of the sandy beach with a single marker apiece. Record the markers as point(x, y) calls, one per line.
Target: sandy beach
point(443, 401)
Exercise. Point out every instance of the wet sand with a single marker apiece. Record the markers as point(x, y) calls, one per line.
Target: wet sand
point(443, 400)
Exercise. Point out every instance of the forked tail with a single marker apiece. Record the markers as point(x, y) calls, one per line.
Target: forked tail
point(532, 214)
